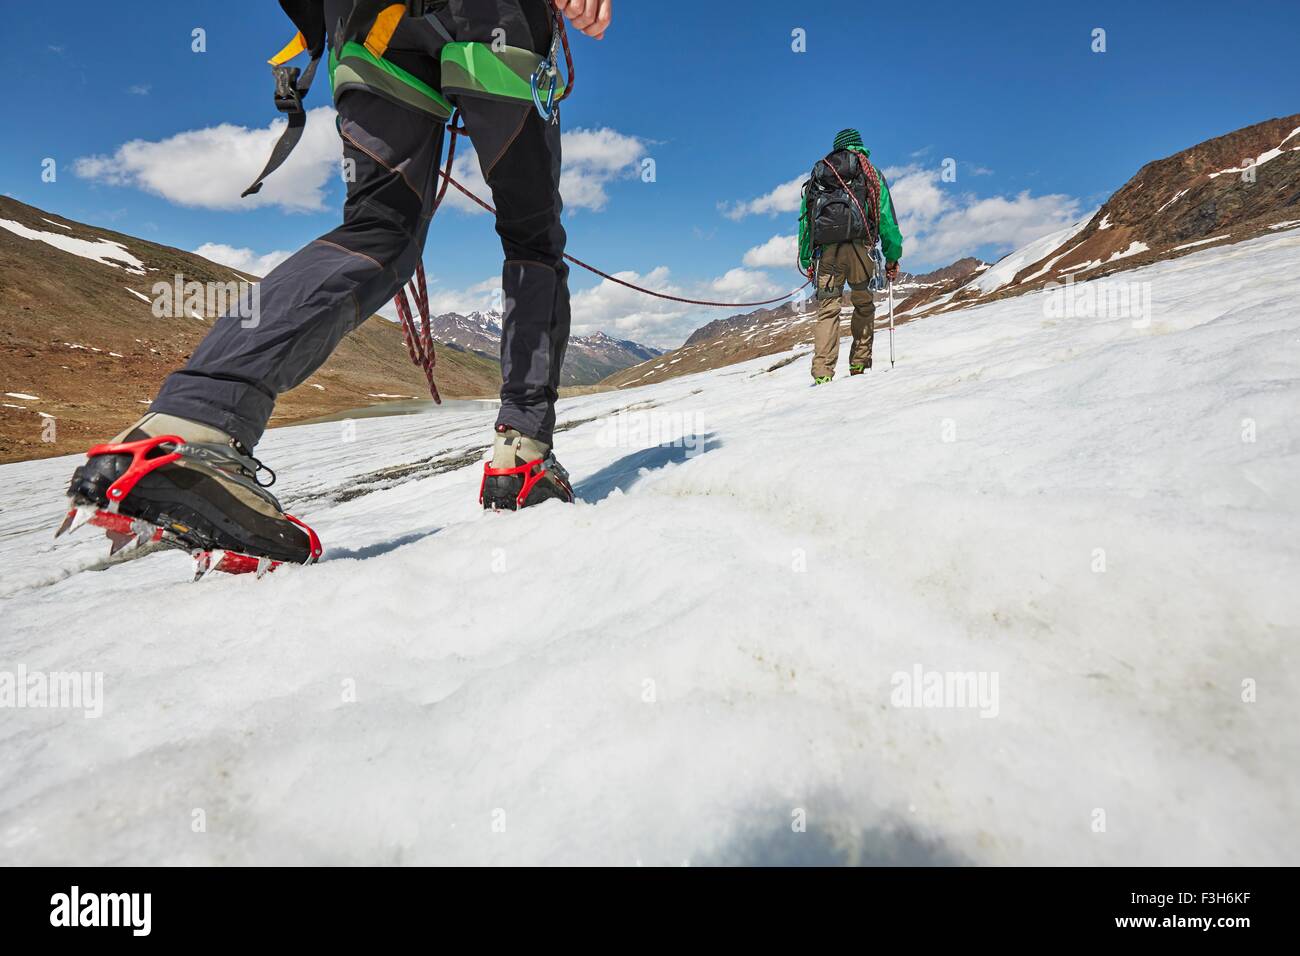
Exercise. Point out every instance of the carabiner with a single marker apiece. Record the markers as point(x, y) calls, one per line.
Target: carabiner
point(549, 68)
point(544, 70)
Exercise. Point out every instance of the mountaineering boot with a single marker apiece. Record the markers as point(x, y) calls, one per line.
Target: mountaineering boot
point(168, 478)
point(858, 369)
point(821, 380)
point(523, 471)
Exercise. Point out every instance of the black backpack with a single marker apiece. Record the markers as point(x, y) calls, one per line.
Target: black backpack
point(834, 215)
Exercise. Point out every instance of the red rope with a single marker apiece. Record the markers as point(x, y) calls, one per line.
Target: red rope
point(568, 59)
point(623, 282)
point(865, 165)
point(419, 336)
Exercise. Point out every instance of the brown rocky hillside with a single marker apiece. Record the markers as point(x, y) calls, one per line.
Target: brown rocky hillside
point(79, 341)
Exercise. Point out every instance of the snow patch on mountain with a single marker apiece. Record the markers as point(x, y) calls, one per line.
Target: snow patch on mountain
point(1008, 267)
point(104, 251)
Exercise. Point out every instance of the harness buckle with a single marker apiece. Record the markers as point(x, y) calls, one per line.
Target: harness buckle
point(288, 98)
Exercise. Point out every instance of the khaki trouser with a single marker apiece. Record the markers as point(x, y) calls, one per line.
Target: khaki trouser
point(840, 263)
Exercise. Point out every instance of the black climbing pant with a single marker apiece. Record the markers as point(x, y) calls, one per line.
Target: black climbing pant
point(329, 287)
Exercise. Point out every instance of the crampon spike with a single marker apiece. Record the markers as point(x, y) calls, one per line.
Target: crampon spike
point(232, 562)
point(205, 562)
point(119, 540)
point(126, 534)
point(76, 517)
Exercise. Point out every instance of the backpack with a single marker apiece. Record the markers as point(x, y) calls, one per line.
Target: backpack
point(833, 214)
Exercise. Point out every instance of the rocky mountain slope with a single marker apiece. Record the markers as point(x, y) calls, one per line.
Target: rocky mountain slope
point(589, 358)
point(81, 347)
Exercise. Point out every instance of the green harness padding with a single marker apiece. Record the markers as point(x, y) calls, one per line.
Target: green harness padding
point(470, 69)
point(357, 68)
point(476, 69)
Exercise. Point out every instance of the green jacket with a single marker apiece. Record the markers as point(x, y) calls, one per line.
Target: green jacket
point(891, 240)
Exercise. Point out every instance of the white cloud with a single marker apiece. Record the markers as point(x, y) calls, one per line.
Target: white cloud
point(627, 314)
point(241, 259)
point(208, 168)
point(784, 198)
point(593, 158)
point(940, 224)
point(139, 89)
point(482, 296)
point(778, 252)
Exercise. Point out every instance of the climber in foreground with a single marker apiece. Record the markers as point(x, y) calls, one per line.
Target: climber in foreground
point(846, 210)
point(185, 471)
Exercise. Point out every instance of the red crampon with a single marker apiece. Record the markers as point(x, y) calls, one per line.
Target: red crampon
point(98, 493)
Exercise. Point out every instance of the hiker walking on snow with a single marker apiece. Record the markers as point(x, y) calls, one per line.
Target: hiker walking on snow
point(846, 209)
point(397, 71)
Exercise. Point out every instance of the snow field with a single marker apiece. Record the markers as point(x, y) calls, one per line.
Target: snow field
point(707, 645)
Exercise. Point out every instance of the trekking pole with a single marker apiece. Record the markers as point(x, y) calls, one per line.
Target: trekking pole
point(891, 323)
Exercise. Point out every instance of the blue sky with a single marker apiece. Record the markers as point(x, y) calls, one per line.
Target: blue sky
point(1042, 129)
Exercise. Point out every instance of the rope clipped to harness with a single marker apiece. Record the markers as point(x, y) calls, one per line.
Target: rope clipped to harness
point(547, 75)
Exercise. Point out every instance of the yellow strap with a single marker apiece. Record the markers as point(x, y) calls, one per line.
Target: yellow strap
point(382, 32)
point(291, 49)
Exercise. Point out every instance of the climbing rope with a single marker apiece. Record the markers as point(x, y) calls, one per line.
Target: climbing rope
point(631, 285)
point(419, 335)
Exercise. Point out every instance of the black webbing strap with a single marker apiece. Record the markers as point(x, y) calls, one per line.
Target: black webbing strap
point(291, 87)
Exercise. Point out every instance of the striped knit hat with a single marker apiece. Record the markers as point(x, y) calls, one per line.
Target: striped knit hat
point(847, 138)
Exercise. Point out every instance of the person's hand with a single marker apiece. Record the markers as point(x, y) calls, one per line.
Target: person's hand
point(891, 271)
point(590, 16)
